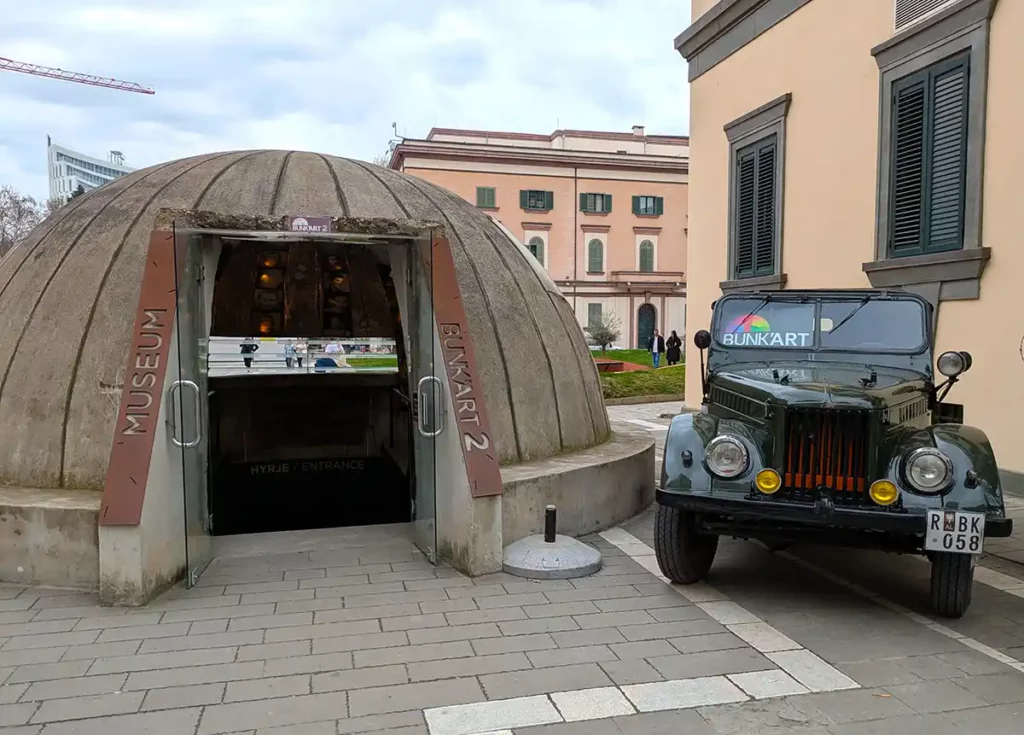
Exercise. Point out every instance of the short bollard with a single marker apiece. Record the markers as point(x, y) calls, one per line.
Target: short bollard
point(549, 556)
point(549, 524)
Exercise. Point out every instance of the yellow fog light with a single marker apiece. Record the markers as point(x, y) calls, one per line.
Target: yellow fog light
point(883, 492)
point(768, 481)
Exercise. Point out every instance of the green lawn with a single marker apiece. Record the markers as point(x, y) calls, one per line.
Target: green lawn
point(665, 381)
point(371, 362)
point(637, 357)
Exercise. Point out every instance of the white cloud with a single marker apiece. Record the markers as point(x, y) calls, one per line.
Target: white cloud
point(331, 75)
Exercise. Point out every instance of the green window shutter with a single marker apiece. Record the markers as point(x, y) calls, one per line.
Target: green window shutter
point(659, 205)
point(595, 257)
point(549, 200)
point(583, 202)
point(647, 257)
point(607, 202)
point(636, 205)
point(485, 197)
point(744, 226)
point(524, 199)
point(947, 164)
point(906, 199)
point(764, 245)
point(593, 314)
point(927, 179)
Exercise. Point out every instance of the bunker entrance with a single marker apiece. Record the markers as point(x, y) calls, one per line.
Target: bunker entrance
point(306, 397)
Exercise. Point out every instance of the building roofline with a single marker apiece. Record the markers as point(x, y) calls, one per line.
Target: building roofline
point(598, 134)
point(445, 150)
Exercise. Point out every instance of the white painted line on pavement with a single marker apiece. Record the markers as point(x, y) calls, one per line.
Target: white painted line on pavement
point(768, 684)
point(917, 617)
point(684, 693)
point(812, 672)
point(647, 424)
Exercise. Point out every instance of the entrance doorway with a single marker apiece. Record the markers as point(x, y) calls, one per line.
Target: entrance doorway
point(646, 318)
point(345, 439)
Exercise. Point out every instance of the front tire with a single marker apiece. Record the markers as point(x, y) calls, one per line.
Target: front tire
point(684, 555)
point(952, 579)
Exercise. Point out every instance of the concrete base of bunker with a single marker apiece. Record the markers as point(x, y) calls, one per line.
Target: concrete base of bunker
point(564, 558)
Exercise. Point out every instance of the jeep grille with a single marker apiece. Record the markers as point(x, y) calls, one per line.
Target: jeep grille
point(826, 448)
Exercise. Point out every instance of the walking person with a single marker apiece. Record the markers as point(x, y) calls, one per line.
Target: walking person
point(289, 354)
point(656, 346)
point(249, 347)
point(673, 348)
point(300, 353)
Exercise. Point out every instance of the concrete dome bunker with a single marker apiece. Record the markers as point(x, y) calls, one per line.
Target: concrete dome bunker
point(68, 302)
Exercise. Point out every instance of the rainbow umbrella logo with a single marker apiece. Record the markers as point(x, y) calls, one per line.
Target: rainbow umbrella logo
point(752, 323)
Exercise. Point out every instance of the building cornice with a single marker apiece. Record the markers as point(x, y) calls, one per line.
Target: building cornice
point(594, 134)
point(536, 156)
point(727, 27)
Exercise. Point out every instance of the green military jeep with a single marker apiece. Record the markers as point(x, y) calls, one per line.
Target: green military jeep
point(821, 422)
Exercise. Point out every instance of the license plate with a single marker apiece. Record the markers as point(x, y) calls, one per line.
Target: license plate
point(955, 531)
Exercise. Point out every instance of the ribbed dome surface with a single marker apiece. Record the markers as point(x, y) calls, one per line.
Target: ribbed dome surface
point(68, 297)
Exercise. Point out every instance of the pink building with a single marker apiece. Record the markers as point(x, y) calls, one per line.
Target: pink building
point(604, 213)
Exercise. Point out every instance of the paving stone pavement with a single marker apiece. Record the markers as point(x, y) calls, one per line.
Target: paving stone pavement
point(356, 633)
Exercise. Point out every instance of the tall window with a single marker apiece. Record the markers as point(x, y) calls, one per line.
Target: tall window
point(593, 314)
point(648, 206)
point(485, 197)
point(596, 203)
point(536, 246)
point(755, 216)
point(929, 159)
point(536, 200)
point(646, 256)
point(595, 256)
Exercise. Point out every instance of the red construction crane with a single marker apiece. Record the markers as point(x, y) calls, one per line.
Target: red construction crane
point(72, 76)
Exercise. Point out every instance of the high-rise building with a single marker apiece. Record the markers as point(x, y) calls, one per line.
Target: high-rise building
point(604, 213)
point(68, 169)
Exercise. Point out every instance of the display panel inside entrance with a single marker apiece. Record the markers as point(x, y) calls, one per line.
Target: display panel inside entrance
point(310, 420)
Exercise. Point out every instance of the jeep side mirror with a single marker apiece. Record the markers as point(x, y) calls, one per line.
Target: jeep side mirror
point(954, 364)
point(702, 339)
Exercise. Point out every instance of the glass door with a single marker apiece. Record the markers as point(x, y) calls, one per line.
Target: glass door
point(427, 396)
point(189, 399)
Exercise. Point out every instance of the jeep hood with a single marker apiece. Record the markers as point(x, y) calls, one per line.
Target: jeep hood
point(820, 385)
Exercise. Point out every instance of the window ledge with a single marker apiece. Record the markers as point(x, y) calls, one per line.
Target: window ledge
point(964, 267)
point(758, 283)
point(487, 209)
point(594, 214)
point(595, 273)
point(648, 216)
point(537, 211)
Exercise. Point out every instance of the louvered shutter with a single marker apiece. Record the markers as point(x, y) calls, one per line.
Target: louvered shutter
point(549, 200)
point(906, 213)
point(636, 205)
point(928, 160)
point(659, 206)
point(524, 199)
point(764, 240)
point(607, 202)
point(595, 257)
point(646, 256)
point(947, 162)
point(745, 200)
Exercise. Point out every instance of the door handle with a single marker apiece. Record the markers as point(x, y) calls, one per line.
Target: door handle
point(175, 391)
point(435, 405)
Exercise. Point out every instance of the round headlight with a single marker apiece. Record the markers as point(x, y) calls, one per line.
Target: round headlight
point(951, 364)
point(929, 470)
point(727, 457)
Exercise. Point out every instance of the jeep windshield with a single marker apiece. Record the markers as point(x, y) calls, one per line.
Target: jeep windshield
point(847, 323)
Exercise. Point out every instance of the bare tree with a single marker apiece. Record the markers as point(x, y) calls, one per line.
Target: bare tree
point(604, 330)
point(382, 159)
point(19, 214)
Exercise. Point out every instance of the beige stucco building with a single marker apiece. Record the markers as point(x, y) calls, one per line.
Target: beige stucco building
point(605, 214)
point(878, 143)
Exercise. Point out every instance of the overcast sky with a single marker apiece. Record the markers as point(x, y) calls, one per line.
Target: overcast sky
point(329, 75)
